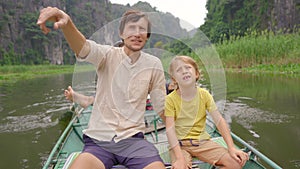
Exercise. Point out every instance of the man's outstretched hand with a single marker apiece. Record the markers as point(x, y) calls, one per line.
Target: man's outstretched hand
point(52, 14)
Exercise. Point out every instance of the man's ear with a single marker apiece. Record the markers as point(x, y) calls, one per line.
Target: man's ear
point(121, 35)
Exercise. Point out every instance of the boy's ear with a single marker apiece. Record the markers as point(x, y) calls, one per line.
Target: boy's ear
point(197, 75)
point(173, 84)
point(173, 80)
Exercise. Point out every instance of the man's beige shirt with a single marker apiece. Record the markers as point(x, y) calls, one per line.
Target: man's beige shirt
point(122, 90)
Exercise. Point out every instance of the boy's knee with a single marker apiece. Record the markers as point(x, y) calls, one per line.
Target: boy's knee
point(228, 162)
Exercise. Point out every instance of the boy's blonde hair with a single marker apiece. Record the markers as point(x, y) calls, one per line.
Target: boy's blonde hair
point(185, 59)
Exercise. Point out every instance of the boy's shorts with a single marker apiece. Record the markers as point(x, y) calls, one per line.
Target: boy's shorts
point(205, 150)
point(134, 152)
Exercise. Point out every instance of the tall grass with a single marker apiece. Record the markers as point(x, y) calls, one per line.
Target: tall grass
point(260, 48)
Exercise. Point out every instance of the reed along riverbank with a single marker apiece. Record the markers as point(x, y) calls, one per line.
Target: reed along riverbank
point(262, 51)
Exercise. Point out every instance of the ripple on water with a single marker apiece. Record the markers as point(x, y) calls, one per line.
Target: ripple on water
point(254, 134)
point(20, 123)
point(296, 163)
point(26, 123)
point(246, 115)
point(24, 163)
point(36, 104)
point(57, 110)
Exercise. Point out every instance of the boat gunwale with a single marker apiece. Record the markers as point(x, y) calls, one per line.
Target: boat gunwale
point(56, 150)
point(61, 140)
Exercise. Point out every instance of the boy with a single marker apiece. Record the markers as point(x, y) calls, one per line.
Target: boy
point(185, 111)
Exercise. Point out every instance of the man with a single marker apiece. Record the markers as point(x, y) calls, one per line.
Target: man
point(126, 75)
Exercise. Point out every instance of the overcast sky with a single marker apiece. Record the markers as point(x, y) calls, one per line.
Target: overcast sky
point(192, 12)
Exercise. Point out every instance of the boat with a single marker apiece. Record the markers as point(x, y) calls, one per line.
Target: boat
point(70, 143)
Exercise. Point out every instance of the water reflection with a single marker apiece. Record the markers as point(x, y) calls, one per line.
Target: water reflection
point(31, 113)
point(264, 110)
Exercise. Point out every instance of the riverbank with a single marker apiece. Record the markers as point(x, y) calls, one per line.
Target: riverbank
point(16, 72)
point(256, 52)
point(288, 69)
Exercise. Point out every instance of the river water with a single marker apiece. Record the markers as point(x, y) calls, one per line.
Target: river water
point(261, 109)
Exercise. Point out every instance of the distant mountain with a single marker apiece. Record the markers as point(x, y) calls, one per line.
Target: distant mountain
point(193, 32)
point(22, 42)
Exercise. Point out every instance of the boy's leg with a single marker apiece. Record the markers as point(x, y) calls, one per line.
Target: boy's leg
point(186, 155)
point(228, 162)
point(211, 152)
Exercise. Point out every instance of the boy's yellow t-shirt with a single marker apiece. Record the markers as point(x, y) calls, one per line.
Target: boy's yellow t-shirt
point(190, 116)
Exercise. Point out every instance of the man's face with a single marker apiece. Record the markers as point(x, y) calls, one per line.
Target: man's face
point(135, 35)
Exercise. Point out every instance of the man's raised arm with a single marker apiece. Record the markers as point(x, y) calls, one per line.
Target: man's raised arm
point(62, 21)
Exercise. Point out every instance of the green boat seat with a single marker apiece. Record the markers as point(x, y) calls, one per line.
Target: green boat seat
point(70, 159)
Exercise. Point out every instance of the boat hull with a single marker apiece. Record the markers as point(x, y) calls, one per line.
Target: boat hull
point(70, 143)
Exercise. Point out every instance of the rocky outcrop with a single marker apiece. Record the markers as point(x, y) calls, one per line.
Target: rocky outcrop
point(23, 43)
point(285, 14)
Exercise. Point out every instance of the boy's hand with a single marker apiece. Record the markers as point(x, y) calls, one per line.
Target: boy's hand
point(240, 156)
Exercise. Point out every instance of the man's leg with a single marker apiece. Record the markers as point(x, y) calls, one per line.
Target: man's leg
point(138, 154)
point(87, 160)
point(93, 156)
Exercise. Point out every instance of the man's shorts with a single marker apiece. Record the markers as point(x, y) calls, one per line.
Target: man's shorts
point(134, 152)
point(205, 150)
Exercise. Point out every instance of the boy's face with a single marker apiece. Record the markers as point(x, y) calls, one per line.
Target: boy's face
point(135, 35)
point(184, 73)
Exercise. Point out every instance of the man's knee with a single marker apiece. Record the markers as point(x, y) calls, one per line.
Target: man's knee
point(87, 160)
